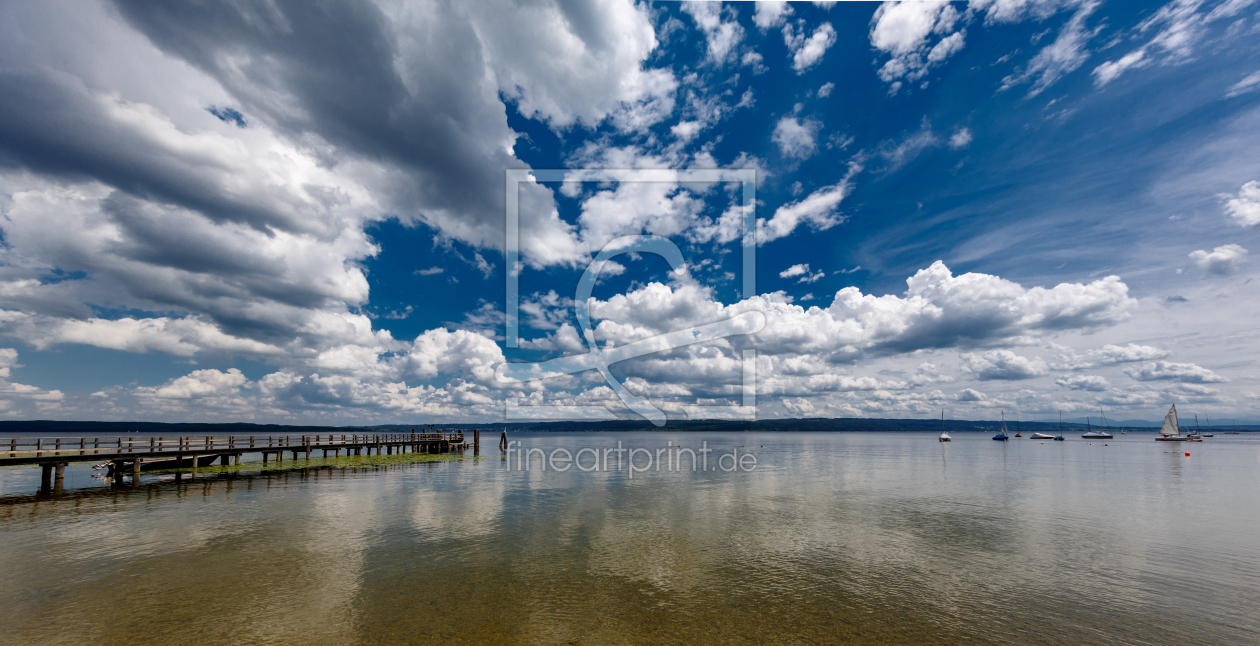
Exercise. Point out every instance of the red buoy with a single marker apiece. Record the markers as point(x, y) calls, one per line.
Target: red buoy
point(1187, 454)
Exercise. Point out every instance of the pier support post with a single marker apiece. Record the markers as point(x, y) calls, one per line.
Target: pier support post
point(264, 457)
point(45, 478)
point(225, 460)
point(503, 441)
point(476, 441)
point(135, 471)
point(60, 472)
point(238, 459)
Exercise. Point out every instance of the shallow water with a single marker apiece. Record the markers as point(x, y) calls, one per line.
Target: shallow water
point(831, 538)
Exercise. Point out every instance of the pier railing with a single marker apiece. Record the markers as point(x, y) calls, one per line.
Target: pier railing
point(31, 449)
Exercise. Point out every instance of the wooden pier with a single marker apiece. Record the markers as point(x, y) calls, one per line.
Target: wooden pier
point(137, 454)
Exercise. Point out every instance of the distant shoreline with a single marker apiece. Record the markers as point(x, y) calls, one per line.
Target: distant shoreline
point(55, 427)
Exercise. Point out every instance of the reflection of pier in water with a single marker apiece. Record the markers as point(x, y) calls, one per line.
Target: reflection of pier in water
point(158, 453)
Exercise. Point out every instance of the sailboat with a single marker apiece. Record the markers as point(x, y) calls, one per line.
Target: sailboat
point(1059, 437)
point(1002, 433)
point(1209, 433)
point(1097, 435)
point(1171, 430)
point(944, 437)
point(1195, 437)
point(1235, 431)
point(1017, 426)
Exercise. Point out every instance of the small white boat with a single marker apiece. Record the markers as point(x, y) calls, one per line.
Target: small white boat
point(1091, 434)
point(1040, 436)
point(944, 437)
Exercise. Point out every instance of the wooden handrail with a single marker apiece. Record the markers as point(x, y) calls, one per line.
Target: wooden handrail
point(58, 445)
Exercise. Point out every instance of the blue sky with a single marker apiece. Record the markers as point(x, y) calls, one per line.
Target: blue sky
point(291, 213)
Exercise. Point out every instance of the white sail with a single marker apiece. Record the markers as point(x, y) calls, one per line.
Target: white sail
point(1171, 427)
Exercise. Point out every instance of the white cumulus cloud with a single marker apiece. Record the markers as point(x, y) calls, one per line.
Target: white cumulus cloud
point(1003, 364)
point(1091, 383)
point(770, 14)
point(917, 36)
point(722, 36)
point(808, 51)
point(820, 210)
point(1244, 208)
point(1107, 355)
point(960, 139)
point(796, 139)
point(1223, 260)
point(1169, 371)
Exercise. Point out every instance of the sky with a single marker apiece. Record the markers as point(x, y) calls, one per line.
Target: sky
point(295, 212)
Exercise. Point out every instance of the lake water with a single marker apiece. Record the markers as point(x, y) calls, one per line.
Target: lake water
point(830, 538)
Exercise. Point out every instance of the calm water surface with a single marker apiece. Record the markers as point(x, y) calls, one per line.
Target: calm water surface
point(833, 538)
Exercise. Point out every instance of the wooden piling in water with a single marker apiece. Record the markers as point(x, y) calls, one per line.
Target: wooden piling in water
point(476, 441)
